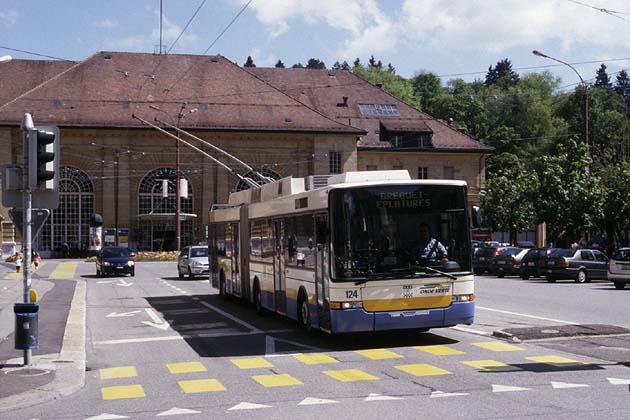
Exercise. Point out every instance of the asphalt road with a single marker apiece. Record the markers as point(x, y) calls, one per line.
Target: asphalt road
point(161, 346)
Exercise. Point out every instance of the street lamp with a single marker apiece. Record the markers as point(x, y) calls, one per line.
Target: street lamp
point(585, 97)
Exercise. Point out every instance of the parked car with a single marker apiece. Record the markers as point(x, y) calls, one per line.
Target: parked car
point(507, 262)
point(533, 263)
point(581, 265)
point(526, 244)
point(193, 260)
point(115, 260)
point(482, 259)
point(619, 268)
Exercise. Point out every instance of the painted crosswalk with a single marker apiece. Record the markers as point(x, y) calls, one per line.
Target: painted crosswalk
point(425, 362)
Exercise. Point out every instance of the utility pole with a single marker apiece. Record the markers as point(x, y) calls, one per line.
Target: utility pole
point(116, 164)
point(178, 208)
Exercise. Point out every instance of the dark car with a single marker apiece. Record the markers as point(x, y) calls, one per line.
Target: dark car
point(507, 262)
point(115, 260)
point(533, 263)
point(482, 259)
point(581, 265)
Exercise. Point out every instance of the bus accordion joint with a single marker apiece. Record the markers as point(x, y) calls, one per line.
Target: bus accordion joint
point(346, 305)
point(464, 298)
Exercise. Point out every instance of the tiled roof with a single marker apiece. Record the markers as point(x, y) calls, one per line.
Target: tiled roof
point(107, 88)
point(20, 76)
point(325, 90)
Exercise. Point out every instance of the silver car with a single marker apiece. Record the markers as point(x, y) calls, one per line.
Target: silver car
point(619, 268)
point(193, 260)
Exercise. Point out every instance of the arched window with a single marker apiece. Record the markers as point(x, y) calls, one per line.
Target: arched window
point(156, 212)
point(240, 186)
point(70, 222)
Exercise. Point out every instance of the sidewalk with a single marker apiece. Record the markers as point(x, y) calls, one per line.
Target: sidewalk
point(59, 362)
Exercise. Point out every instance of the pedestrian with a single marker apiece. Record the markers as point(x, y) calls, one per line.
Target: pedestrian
point(18, 262)
point(36, 260)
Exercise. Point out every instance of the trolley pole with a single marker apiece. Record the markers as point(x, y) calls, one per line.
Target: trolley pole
point(27, 124)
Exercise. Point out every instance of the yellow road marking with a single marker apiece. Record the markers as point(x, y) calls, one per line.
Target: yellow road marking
point(186, 367)
point(64, 270)
point(498, 346)
point(350, 375)
point(555, 360)
point(491, 365)
point(276, 380)
point(122, 392)
point(379, 354)
point(315, 359)
point(201, 385)
point(439, 350)
point(14, 276)
point(253, 363)
point(118, 372)
point(422, 369)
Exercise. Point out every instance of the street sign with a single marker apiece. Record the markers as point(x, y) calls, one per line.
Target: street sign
point(12, 185)
point(38, 218)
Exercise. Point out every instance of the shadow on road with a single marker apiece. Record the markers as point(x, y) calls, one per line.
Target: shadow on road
point(214, 327)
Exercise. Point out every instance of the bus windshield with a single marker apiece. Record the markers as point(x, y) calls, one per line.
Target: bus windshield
point(398, 231)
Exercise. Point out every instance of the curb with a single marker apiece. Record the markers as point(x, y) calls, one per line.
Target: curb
point(69, 364)
point(505, 335)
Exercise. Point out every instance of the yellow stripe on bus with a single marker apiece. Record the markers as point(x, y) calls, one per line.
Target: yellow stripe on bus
point(65, 270)
point(402, 304)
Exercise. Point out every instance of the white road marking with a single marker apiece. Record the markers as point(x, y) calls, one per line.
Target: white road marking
point(106, 281)
point(187, 337)
point(177, 411)
point(231, 317)
point(617, 381)
point(315, 401)
point(526, 315)
point(248, 406)
point(506, 388)
point(440, 394)
point(154, 317)
point(162, 326)
point(121, 314)
point(107, 417)
point(123, 283)
point(470, 330)
point(561, 385)
point(379, 397)
point(186, 311)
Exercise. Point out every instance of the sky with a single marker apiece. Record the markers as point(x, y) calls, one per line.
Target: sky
point(454, 38)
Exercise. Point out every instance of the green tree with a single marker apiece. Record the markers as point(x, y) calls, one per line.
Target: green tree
point(622, 87)
point(280, 64)
point(508, 203)
point(602, 80)
point(502, 75)
point(373, 64)
point(314, 63)
point(616, 209)
point(341, 66)
point(297, 66)
point(396, 85)
point(426, 87)
point(569, 198)
point(249, 62)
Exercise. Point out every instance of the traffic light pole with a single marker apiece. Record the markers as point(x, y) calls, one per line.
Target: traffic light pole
point(27, 126)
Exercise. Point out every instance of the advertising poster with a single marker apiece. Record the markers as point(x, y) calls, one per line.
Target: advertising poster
point(96, 238)
point(123, 238)
point(109, 237)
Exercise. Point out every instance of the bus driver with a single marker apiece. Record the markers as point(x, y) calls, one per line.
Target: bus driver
point(429, 248)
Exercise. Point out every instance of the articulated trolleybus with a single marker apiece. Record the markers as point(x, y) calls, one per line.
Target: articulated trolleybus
point(348, 256)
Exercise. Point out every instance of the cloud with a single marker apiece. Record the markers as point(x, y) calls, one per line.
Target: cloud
point(8, 17)
point(364, 27)
point(493, 26)
point(106, 24)
point(171, 31)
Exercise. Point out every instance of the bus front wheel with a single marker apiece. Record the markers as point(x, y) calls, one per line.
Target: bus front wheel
point(304, 314)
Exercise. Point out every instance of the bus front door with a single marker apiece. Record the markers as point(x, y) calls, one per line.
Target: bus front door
point(279, 268)
point(236, 272)
point(321, 272)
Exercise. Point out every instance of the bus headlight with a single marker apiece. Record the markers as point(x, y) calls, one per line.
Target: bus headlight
point(464, 298)
point(346, 305)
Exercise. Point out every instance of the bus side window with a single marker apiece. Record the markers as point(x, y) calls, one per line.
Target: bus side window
point(291, 248)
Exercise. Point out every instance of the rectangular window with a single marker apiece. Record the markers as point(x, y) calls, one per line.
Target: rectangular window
point(334, 162)
point(449, 172)
point(423, 172)
point(300, 246)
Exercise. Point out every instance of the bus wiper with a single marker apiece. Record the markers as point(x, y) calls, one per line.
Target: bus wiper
point(360, 282)
point(442, 273)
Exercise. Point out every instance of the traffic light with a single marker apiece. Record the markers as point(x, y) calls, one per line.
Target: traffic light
point(43, 158)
